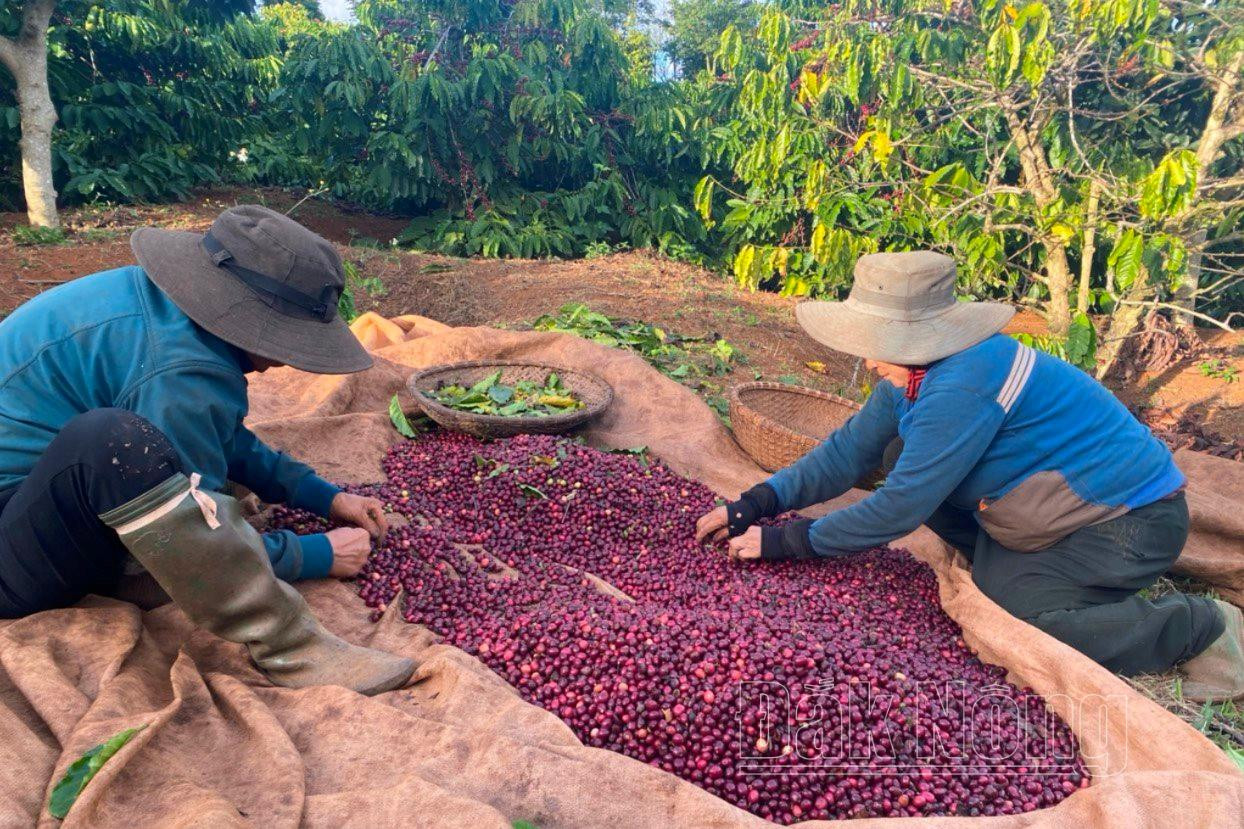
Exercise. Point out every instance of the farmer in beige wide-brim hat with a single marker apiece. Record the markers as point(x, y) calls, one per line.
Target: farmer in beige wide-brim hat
point(121, 420)
point(1065, 505)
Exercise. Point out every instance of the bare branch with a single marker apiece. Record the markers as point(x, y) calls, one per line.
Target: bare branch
point(1170, 306)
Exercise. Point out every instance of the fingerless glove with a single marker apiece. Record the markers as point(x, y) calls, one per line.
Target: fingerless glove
point(788, 541)
point(758, 502)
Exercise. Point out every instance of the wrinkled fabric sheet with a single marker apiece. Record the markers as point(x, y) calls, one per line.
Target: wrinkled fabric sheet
point(460, 747)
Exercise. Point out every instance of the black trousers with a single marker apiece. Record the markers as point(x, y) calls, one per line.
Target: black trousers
point(53, 548)
point(1084, 590)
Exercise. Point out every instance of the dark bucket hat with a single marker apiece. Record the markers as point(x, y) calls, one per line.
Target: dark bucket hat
point(261, 282)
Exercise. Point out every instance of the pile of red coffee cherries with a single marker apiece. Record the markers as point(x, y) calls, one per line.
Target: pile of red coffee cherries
point(800, 690)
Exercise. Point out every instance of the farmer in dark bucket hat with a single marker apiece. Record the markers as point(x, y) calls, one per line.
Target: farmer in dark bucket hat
point(122, 396)
point(1065, 505)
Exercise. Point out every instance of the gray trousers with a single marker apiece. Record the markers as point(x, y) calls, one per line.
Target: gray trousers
point(1083, 590)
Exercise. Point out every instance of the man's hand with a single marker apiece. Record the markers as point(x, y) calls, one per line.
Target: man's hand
point(712, 526)
point(351, 546)
point(745, 547)
point(367, 513)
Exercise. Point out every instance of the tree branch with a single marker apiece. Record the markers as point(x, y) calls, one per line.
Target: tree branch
point(1170, 306)
point(8, 55)
point(36, 15)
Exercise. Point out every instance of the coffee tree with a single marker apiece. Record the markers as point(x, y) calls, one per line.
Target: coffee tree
point(514, 129)
point(1081, 158)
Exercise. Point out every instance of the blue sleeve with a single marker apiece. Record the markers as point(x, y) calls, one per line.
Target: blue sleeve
point(851, 452)
point(276, 477)
point(944, 435)
point(199, 408)
point(296, 557)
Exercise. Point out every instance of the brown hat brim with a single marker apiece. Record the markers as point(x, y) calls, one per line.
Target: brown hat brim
point(223, 305)
point(844, 327)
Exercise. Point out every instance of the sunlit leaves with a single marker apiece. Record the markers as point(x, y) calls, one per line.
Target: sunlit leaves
point(879, 142)
point(1003, 54)
point(1019, 46)
point(730, 52)
point(1169, 189)
point(1127, 259)
point(774, 32)
point(703, 199)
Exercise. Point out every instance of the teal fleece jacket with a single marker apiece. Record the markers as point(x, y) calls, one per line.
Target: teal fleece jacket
point(115, 340)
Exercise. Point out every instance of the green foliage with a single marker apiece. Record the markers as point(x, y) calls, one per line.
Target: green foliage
point(152, 96)
point(81, 771)
point(31, 236)
point(526, 398)
point(1219, 370)
point(985, 131)
point(688, 360)
point(521, 130)
point(1027, 140)
point(1079, 347)
point(399, 420)
point(371, 286)
point(694, 29)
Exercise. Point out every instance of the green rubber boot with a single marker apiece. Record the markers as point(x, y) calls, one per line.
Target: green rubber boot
point(213, 565)
point(1216, 674)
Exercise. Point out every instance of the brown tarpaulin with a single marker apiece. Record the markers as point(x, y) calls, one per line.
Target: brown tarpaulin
point(460, 748)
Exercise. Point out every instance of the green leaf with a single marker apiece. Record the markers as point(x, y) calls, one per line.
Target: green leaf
point(1169, 189)
point(82, 770)
point(1236, 755)
point(1127, 260)
point(522, 824)
point(398, 418)
point(1002, 54)
point(485, 384)
point(528, 489)
point(501, 394)
point(702, 198)
point(1081, 342)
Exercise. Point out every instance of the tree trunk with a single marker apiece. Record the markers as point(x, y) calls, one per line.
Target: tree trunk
point(1088, 247)
point(26, 58)
point(1039, 179)
point(1227, 92)
point(1123, 322)
point(38, 118)
point(1059, 281)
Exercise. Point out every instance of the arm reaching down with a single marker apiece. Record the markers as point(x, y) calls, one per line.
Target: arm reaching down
point(200, 409)
point(944, 436)
point(845, 457)
point(825, 472)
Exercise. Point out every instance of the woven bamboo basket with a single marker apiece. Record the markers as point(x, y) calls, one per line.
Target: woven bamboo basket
point(595, 393)
point(778, 424)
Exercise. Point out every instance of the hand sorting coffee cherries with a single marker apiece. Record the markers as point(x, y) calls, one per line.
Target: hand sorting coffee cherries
point(681, 659)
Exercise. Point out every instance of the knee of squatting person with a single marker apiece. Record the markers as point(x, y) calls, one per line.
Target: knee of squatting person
point(118, 435)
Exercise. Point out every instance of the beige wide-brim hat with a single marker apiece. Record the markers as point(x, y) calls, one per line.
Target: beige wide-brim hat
point(261, 282)
point(902, 309)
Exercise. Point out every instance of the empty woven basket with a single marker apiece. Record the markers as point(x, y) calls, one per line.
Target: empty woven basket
point(778, 424)
point(595, 393)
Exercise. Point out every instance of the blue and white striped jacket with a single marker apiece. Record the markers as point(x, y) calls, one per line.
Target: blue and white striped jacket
point(1034, 445)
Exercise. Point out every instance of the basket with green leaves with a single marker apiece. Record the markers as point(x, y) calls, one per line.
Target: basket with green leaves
point(499, 399)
